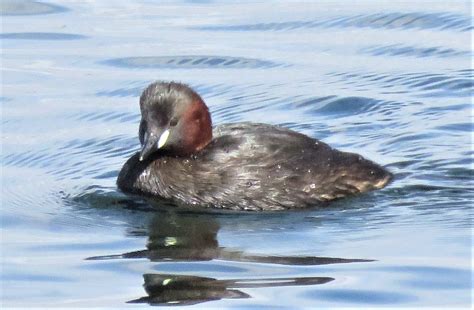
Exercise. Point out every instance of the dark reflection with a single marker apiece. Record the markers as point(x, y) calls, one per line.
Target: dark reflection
point(166, 289)
point(185, 237)
point(179, 236)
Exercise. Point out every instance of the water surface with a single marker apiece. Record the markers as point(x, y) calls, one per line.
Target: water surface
point(389, 80)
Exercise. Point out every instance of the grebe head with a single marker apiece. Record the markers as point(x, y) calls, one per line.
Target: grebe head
point(174, 118)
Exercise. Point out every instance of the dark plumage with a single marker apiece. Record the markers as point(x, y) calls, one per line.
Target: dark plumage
point(243, 166)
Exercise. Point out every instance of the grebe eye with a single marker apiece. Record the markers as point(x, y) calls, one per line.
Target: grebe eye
point(173, 122)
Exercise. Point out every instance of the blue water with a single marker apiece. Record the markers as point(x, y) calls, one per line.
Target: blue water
point(392, 81)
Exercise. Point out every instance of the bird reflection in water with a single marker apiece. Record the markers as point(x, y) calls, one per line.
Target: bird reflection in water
point(183, 237)
point(165, 289)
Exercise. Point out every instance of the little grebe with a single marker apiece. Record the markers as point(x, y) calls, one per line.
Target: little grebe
point(241, 166)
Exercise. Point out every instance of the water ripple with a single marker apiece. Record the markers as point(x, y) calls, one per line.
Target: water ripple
point(339, 106)
point(411, 51)
point(189, 62)
point(71, 160)
point(25, 7)
point(358, 296)
point(205, 90)
point(122, 92)
point(456, 84)
point(395, 20)
point(5, 99)
point(53, 36)
point(108, 116)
